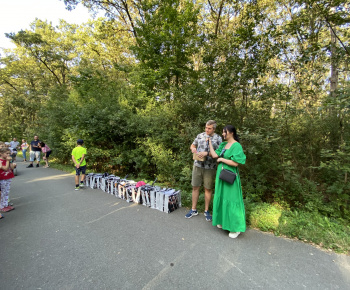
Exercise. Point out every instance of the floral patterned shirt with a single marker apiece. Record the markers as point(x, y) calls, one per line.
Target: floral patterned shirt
point(201, 144)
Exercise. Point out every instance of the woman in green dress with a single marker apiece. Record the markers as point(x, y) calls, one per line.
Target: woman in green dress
point(228, 206)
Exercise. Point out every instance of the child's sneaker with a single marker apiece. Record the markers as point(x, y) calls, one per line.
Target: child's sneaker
point(81, 185)
point(191, 213)
point(76, 188)
point(5, 209)
point(208, 217)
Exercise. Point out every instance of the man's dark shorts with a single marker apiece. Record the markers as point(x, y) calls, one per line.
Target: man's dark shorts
point(81, 170)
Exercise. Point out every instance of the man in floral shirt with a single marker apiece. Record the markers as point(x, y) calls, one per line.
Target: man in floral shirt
point(204, 171)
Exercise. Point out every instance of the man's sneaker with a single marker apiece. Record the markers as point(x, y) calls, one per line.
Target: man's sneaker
point(37, 165)
point(76, 188)
point(208, 217)
point(30, 165)
point(191, 213)
point(81, 185)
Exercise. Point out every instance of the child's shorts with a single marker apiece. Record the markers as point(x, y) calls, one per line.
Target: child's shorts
point(81, 170)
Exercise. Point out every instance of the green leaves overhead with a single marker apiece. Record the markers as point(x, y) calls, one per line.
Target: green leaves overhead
point(167, 40)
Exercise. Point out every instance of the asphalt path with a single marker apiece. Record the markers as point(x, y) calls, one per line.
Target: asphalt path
point(58, 238)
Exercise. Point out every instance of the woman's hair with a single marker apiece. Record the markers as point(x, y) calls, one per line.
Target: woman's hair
point(231, 129)
point(42, 144)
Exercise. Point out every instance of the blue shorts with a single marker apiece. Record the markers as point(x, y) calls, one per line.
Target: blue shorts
point(81, 170)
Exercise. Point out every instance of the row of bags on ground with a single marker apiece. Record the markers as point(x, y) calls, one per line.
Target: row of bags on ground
point(163, 199)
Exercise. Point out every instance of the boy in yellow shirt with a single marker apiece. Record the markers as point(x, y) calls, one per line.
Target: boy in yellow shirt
point(78, 157)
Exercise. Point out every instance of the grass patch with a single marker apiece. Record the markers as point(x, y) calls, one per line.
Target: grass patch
point(264, 216)
point(311, 227)
point(54, 163)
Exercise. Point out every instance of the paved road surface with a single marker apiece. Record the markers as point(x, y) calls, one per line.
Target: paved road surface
point(58, 238)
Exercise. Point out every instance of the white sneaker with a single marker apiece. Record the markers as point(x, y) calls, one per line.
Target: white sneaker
point(233, 235)
point(219, 226)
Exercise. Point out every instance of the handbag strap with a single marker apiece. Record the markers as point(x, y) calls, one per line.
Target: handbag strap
point(222, 167)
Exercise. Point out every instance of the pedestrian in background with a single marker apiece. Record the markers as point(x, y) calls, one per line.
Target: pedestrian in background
point(24, 147)
point(14, 146)
point(6, 176)
point(34, 152)
point(78, 157)
point(46, 153)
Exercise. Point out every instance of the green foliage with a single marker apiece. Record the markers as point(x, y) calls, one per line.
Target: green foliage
point(312, 227)
point(307, 226)
point(263, 216)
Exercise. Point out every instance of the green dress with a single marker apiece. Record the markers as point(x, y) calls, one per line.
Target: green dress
point(228, 206)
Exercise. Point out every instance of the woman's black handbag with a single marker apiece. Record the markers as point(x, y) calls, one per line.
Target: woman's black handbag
point(227, 175)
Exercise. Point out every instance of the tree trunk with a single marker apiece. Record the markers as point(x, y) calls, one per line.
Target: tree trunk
point(334, 63)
